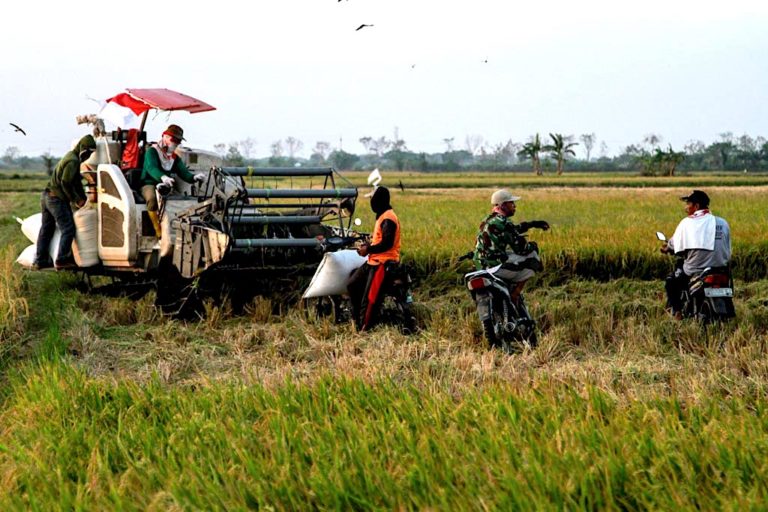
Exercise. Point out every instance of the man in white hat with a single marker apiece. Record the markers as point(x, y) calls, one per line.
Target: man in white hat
point(500, 242)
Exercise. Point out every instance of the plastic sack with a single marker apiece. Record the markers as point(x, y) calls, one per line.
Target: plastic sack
point(332, 275)
point(85, 248)
point(31, 226)
point(27, 256)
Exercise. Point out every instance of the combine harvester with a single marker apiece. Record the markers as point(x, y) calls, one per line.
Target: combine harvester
point(242, 232)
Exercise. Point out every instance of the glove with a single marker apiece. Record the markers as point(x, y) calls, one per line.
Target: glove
point(199, 177)
point(168, 181)
point(540, 224)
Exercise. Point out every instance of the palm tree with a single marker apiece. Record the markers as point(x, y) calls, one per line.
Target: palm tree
point(673, 159)
point(560, 149)
point(531, 150)
point(661, 162)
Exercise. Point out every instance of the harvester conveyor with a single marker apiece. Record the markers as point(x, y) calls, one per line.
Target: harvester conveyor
point(241, 222)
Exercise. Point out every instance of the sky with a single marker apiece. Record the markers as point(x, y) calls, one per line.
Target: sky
point(432, 69)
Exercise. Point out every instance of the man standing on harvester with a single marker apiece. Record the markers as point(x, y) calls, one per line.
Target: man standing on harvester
point(64, 189)
point(161, 166)
point(366, 284)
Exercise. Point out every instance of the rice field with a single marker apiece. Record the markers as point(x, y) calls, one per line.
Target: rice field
point(107, 405)
point(599, 232)
point(31, 181)
point(527, 180)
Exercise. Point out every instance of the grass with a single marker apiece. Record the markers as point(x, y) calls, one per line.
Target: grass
point(583, 323)
point(22, 181)
point(341, 444)
point(108, 405)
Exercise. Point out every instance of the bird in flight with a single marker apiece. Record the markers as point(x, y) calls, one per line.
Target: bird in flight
point(17, 128)
point(362, 26)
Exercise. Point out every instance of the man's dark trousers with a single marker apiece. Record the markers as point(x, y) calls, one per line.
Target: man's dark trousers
point(56, 211)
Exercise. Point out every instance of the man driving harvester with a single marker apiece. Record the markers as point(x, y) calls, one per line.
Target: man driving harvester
point(161, 166)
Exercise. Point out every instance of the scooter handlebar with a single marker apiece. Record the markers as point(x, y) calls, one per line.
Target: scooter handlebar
point(466, 256)
point(334, 243)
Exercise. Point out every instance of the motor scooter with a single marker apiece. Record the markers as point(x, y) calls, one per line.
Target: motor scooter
point(506, 324)
point(709, 294)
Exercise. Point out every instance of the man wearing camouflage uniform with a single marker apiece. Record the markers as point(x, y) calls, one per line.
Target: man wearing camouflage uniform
point(500, 242)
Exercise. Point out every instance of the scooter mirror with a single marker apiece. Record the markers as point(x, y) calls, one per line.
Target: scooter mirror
point(358, 222)
point(661, 236)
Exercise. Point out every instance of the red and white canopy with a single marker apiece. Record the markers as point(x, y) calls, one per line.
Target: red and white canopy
point(123, 109)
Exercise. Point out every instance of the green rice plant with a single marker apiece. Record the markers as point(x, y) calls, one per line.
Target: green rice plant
point(73, 442)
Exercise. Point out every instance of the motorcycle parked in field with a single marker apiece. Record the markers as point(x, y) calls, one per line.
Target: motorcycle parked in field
point(709, 295)
point(505, 323)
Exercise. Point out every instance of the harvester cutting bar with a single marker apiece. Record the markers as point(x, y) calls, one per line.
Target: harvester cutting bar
point(260, 243)
point(277, 171)
point(277, 219)
point(301, 193)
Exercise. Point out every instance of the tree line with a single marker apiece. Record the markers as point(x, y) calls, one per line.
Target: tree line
point(553, 153)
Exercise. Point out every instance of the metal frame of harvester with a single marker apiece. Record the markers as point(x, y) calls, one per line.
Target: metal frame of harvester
point(242, 240)
point(274, 226)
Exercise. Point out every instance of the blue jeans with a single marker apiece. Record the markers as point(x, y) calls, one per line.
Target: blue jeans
point(55, 211)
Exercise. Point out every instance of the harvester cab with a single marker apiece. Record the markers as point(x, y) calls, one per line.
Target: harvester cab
point(126, 236)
